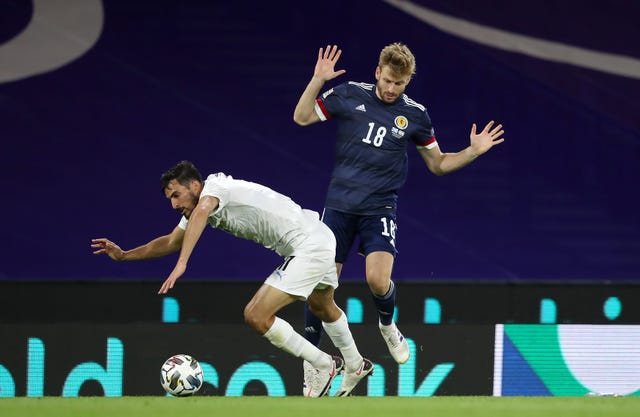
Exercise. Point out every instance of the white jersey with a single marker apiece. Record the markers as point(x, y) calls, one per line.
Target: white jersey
point(255, 212)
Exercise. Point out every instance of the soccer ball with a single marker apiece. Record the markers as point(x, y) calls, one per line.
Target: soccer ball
point(181, 375)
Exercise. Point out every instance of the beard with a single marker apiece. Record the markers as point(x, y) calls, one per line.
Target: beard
point(194, 202)
point(386, 97)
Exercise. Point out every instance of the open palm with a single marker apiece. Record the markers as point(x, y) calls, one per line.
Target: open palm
point(485, 140)
point(325, 66)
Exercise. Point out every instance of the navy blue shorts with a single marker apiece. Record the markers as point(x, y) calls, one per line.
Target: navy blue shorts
point(375, 232)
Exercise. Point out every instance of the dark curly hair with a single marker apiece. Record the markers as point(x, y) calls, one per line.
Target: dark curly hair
point(184, 172)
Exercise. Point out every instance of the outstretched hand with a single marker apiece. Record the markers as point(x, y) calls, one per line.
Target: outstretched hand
point(326, 63)
point(104, 245)
point(485, 140)
point(177, 272)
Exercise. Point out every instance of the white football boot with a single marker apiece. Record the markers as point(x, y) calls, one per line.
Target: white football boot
point(398, 346)
point(319, 381)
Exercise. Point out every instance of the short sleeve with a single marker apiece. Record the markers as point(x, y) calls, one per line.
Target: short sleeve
point(217, 185)
point(425, 136)
point(331, 102)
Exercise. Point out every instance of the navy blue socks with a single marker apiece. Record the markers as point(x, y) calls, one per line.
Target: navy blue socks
point(386, 305)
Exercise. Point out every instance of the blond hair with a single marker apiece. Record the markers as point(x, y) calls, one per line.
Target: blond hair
point(398, 58)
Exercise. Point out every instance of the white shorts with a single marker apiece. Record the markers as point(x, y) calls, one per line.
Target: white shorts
point(312, 266)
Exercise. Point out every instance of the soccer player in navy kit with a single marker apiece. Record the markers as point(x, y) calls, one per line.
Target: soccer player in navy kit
point(376, 122)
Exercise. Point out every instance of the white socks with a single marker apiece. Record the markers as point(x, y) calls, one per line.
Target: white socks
point(341, 337)
point(282, 335)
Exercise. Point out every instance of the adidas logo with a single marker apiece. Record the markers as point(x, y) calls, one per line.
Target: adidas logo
point(361, 108)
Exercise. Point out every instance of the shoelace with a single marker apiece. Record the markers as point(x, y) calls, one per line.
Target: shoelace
point(394, 338)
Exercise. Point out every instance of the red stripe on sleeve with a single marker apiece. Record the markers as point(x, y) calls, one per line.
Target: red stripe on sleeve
point(323, 108)
point(427, 142)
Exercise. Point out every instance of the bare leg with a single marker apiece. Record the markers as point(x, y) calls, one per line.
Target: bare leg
point(259, 314)
point(261, 310)
point(378, 271)
point(313, 324)
point(323, 306)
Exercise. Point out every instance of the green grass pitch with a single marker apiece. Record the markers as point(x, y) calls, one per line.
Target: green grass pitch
point(322, 407)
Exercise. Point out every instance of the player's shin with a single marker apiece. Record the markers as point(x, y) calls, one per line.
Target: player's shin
point(282, 335)
point(341, 336)
point(386, 305)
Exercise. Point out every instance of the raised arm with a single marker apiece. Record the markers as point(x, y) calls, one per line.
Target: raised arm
point(160, 246)
point(195, 227)
point(305, 114)
point(443, 163)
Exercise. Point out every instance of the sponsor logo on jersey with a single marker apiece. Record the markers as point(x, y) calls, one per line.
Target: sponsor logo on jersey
point(361, 108)
point(397, 132)
point(401, 122)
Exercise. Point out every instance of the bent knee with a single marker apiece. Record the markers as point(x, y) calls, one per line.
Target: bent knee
point(255, 320)
point(379, 285)
point(327, 312)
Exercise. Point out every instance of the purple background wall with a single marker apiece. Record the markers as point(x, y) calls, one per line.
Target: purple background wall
point(216, 82)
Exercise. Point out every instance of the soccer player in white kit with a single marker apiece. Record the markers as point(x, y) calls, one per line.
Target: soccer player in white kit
point(251, 211)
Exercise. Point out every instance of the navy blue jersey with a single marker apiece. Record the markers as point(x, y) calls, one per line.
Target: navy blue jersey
point(371, 151)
